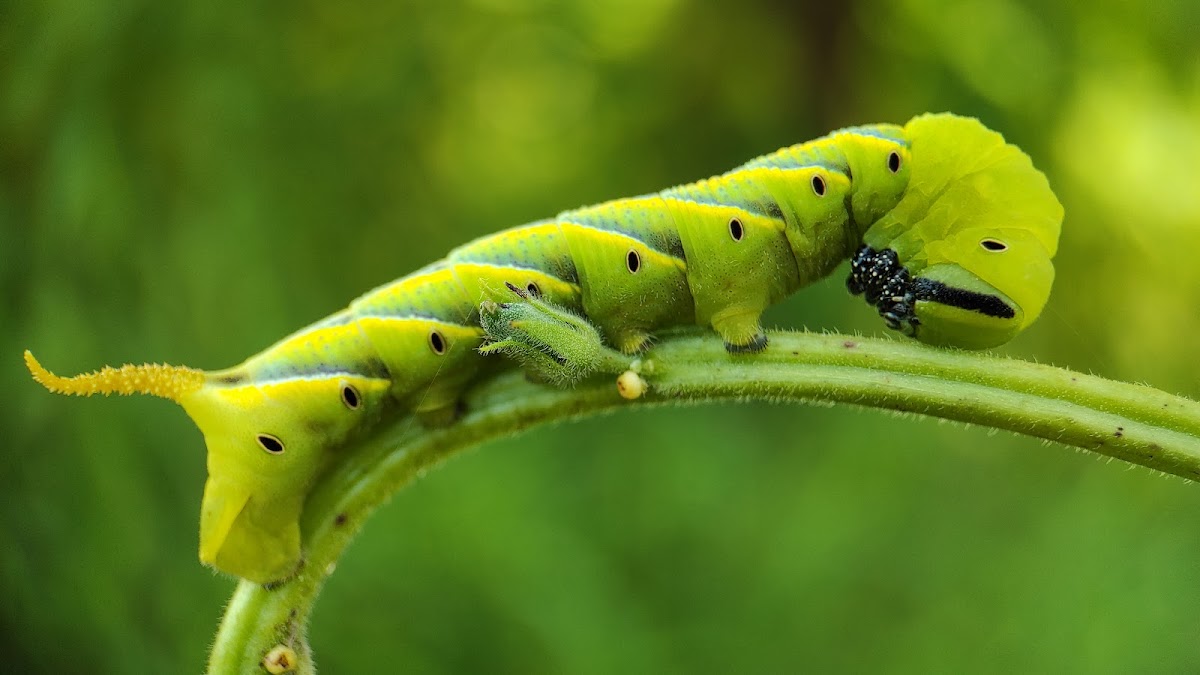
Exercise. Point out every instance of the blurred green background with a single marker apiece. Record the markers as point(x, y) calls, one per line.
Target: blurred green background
point(184, 182)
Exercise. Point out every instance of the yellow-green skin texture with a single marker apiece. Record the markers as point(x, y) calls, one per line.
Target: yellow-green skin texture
point(715, 253)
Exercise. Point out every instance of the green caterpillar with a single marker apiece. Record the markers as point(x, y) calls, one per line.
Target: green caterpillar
point(951, 232)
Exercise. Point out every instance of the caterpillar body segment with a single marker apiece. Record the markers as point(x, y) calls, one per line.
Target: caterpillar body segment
point(950, 232)
point(631, 267)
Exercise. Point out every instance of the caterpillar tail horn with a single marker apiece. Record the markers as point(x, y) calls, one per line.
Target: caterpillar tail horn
point(246, 529)
point(170, 382)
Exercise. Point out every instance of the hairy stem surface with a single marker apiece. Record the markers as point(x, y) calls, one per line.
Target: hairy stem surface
point(1134, 423)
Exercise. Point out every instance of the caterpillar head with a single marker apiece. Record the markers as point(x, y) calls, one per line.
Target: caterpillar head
point(267, 444)
point(964, 258)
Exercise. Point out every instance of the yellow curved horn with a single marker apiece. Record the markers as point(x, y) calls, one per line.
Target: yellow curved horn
point(171, 382)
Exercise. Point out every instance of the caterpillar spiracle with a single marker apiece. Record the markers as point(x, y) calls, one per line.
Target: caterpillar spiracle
point(950, 230)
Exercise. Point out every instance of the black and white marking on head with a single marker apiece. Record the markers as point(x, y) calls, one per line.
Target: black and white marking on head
point(936, 291)
point(888, 286)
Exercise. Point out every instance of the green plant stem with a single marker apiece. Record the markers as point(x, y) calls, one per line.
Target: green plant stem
point(1131, 422)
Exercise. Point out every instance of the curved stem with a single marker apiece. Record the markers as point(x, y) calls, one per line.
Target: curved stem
point(1131, 422)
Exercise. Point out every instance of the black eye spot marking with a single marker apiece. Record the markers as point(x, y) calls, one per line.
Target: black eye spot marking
point(350, 397)
point(437, 343)
point(818, 184)
point(533, 289)
point(270, 443)
point(893, 162)
point(993, 245)
point(633, 262)
point(735, 229)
